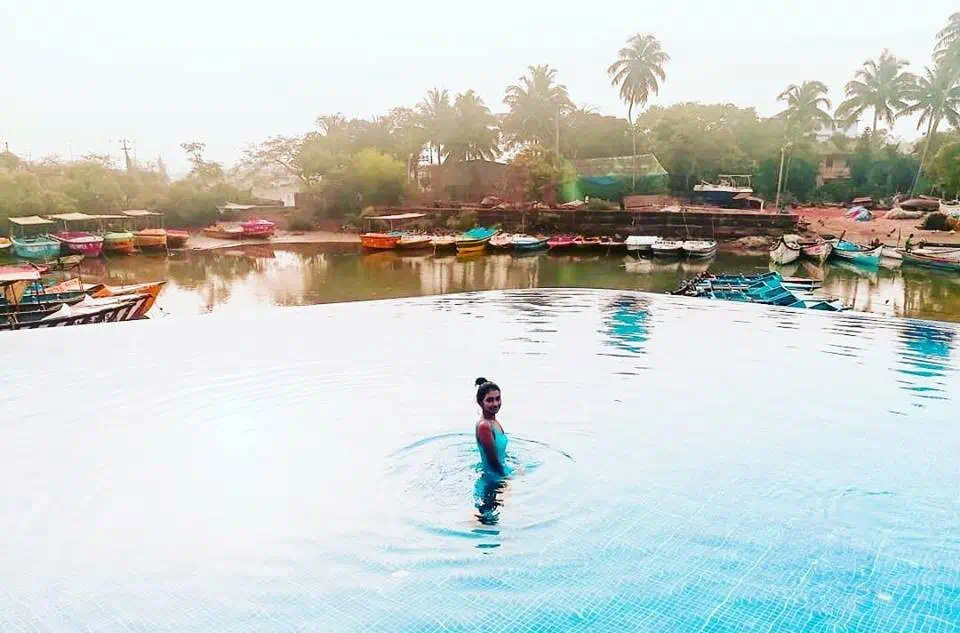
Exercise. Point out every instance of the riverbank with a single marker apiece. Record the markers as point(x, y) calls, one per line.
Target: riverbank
point(834, 222)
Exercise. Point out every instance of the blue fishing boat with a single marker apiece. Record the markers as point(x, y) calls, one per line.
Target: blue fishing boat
point(528, 243)
point(35, 246)
point(475, 240)
point(767, 288)
point(856, 253)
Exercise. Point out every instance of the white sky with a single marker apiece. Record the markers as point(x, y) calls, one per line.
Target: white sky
point(78, 76)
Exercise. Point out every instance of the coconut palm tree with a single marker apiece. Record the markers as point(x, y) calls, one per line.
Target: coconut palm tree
point(638, 72)
point(948, 45)
point(474, 133)
point(437, 114)
point(881, 86)
point(808, 108)
point(935, 97)
point(536, 103)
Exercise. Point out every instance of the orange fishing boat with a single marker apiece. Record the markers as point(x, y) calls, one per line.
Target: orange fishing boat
point(148, 238)
point(152, 289)
point(224, 231)
point(379, 241)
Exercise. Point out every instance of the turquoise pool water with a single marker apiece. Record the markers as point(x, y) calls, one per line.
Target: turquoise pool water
point(681, 465)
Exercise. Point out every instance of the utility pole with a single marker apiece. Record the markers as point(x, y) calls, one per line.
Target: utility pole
point(126, 153)
point(780, 178)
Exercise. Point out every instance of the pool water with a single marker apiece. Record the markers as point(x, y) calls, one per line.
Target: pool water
point(680, 465)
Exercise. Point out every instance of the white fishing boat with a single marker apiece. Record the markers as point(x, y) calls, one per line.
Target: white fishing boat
point(699, 249)
point(727, 187)
point(950, 208)
point(641, 244)
point(786, 251)
point(818, 250)
point(667, 248)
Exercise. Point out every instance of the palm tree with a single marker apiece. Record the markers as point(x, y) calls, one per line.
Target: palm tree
point(638, 72)
point(807, 109)
point(881, 86)
point(948, 45)
point(935, 97)
point(437, 113)
point(474, 134)
point(536, 104)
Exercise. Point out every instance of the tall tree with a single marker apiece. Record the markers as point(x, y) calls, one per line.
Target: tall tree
point(638, 72)
point(474, 134)
point(535, 103)
point(437, 114)
point(808, 108)
point(935, 97)
point(948, 45)
point(881, 85)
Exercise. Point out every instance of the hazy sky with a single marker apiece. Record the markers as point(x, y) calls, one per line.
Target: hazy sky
point(79, 76)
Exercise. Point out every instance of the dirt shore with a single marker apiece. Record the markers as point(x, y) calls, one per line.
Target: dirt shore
point(833, 221)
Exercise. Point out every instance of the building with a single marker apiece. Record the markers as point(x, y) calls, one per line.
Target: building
point(284, 191)
point(834, 163)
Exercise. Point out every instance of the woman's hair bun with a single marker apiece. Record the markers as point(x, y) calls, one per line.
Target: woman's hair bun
point(480, 381)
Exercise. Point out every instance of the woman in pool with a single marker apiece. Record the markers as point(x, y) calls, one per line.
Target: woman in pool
point(491, 440)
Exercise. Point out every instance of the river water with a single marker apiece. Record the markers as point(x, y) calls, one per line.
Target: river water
point(259, 277)
point(680, 464)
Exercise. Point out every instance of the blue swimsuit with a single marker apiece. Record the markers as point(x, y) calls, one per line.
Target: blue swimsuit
point(500, 447)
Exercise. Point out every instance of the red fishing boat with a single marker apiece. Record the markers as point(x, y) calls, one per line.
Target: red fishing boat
point(380, 241)
point(258, 228)
point(177, 238)
point(562, 243)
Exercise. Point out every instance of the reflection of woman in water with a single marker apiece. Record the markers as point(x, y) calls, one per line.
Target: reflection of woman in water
point(491, 440)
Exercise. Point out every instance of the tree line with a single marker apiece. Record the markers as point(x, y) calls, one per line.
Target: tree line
point(352, 163)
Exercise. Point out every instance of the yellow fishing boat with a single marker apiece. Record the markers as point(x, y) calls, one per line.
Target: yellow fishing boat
point(149, 237)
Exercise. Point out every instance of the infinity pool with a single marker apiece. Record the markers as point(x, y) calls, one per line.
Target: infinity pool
point(682, 465)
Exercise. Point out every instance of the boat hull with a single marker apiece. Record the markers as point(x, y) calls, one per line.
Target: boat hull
point(818, 252)
point(930, 261)
point(151, 239)
point(258, 229)
point(472, 247)
point(36, 248)
point(784, 253)
point(379, 241)
point(862, 256)
point(119, 242)
point(118, 311)
point(150, 291)
point(79, 243)
point(5, 244)
point(667, 248)
point(700, 249)
point(414, 243)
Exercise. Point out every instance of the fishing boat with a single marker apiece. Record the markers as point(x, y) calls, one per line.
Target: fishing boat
point(560, 243)
point(852, 252)
point(502, 242)
point(768, 289)
point(444, 243)
point(818, 250)
point(37, 245)
point(939, 262)
point(529, 243)
point(582, 243)
point(699, 249)
point(667, 248)
point(148, 238)
point(786, 250)
point(890, 252)
point(76, 241)
point(223, 231)
point(88, 311)
point(641, 244)
point(411, 242)
point(474, 241)
point(379, 241)
point(725, 190)
point(176, 238)
point(5, 245)
point(258, 228)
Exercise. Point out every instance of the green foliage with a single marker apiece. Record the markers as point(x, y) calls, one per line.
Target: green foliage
point(638, 71)
point(377, 178)
point(534, 103)
point(462, 221)
point(881, 86)
point(801, 178)
point(879, 170)
point(586, 134)
point(540, 175)
point(599, 204)
point(945, 169)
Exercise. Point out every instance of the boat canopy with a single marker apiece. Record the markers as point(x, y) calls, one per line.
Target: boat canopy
point(140, 213)
point(72, 217)
point(31, 220)
point(13, 274)
point(400, 216)
point(107, 217)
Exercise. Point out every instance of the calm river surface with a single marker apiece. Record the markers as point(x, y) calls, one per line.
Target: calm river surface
point(258, 277)
point(679, 464)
